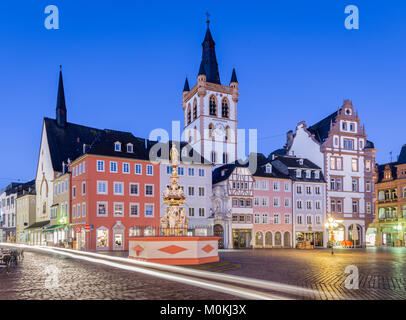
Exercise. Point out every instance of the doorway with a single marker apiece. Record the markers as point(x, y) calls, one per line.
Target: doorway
point(242, 238)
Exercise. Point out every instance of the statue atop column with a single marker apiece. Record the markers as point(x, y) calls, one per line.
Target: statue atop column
point(174, 222)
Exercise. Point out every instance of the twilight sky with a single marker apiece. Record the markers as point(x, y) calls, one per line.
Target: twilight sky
point(125, 62)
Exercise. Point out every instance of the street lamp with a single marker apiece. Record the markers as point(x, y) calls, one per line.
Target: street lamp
point(331, 224)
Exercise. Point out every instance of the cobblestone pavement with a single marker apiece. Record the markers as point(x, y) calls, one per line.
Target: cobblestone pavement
point(382, 271)
point(85, 280)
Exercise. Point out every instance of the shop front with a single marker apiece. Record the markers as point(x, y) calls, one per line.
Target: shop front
point(242, 238)
point(315, 238)
point(102, 238)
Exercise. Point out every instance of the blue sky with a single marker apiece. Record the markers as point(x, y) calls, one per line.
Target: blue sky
point(124, 65)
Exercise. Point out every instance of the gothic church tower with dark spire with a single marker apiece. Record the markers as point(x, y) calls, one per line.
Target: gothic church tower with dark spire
point(210, 109)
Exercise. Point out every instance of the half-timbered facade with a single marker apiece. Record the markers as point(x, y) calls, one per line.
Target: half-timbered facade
point(233, 206)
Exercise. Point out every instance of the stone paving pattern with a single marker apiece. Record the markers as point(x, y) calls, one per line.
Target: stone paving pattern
point(382, 271)
point(382, 275)
point(84, 280)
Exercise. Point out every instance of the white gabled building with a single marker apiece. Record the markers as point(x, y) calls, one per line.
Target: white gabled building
point(338, 145)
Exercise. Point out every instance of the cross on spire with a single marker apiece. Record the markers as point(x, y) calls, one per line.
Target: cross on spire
point(207, 21)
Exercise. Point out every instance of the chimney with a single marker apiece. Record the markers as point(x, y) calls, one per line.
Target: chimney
point(84, 148)
point(63, 167)
point(289, 139)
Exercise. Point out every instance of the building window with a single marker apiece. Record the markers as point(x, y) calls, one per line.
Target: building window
point(134, 189)
point(138, 169)
point(74, 211)
point(130, 148)
point(354, 164)
point(308, 205)
point(118, 188)
point(191, 191)
point(102, 209)
point(287, 218)
point(78, 211)
point(308, 190)
point(368, 165)
point(149, 190)
point(194, 109)
point(354, 184)
point(83, 188)
point(191, 172)
point(201, 172)
point(318, 205)
point(118, 209)
point(287, 186)
point(189, 114)
point(224, 108)
point(201, 191)
point(150, 170)
point(74, 192)
point(265, 201)
point(368, 207)
point(348, 144)
point(265, 218)
point(113, 166)
point(318, 219)
point(83, 209)
point(298, 173)
point(201, 212)
point(299, 204)
point(225, 157)
point(309, 220)
point(191, 212)
point(256, 218)
point(276, 185)
point(134, 210)
point(299, 189)
point(126, 167)
point(102, 187)
point(149, 210)
point(276, 218)
point(354, 206)
point(117, 146)
point(256, 201)
point(213, 106)
point(276, 202)
point(287, 202)
point(213, 157)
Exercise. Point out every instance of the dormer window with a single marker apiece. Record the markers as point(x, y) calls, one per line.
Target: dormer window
point(316, 174)
point(308, 174)
point(298, 173)
point(301, 162)
point(348, 112)
point(268, 168)
point(117, 146)
point(130, 148)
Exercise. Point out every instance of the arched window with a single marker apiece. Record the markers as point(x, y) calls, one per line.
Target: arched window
point(213, 106)
point(194, 109)
point(134, 232)
point(189, 115)
point(259, 239)
point(268, 239)
point(213, 157)
point(225, 157)
point(227, 134)
point(278, 239)
point(286, 239)
point(224, 108)
point(195, 133)
point(211, 127)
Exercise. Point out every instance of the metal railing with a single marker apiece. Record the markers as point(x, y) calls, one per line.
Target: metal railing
point(153, 231)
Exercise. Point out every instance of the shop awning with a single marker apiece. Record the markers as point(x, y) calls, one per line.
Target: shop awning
point(55, 227)
point(38, 225)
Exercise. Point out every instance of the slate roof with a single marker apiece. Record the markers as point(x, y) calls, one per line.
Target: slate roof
point(401, 160)
point(67, 142)
point(233, 77)
point(222, 173)
point(288, 165)
point(321, 128)
point(18, 187)
point(208, 65)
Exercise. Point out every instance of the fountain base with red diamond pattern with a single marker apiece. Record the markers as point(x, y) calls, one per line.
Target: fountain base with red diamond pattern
point(173, 244)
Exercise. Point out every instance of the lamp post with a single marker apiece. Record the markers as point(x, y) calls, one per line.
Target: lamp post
point(331, 224)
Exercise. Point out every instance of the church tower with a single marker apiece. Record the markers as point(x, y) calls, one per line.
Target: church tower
point(210, 109)
point(60, 103)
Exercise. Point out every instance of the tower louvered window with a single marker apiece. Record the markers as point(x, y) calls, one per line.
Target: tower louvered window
point(213, 106)
point(224, 109)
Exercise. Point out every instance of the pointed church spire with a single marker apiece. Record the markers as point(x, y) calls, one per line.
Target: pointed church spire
point(209, 65)
point(186, 87)
point(233, 77)
point(60, 102)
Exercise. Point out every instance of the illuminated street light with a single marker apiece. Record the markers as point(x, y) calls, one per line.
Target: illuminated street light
point(330, 225)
